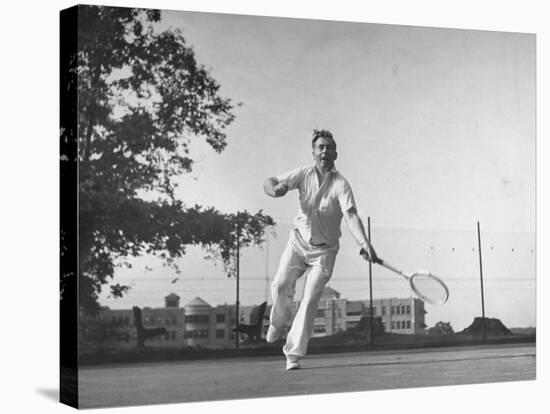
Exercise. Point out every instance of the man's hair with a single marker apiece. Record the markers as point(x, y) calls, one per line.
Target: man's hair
point(322, 133)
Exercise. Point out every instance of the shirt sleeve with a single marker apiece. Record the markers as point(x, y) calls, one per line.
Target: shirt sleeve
point(345, 197)
point(292, 178)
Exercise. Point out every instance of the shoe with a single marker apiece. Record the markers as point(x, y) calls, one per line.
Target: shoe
point(273, 334)
point(292, 364)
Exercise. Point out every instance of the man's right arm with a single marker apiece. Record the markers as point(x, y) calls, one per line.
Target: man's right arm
point(274, 188)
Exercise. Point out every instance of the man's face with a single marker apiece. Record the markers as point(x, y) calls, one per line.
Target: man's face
point(324, 153)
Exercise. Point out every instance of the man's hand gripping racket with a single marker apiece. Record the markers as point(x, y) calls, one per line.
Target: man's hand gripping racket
point(368, 253)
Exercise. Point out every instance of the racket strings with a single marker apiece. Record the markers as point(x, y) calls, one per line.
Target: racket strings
point(429, 288)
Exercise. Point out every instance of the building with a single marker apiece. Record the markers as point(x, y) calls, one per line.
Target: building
point(197, 324)
point(399, 315)
point(405, 316)
point(208, 327)
point(200, 325)
point(334, 314)
point(331, 314)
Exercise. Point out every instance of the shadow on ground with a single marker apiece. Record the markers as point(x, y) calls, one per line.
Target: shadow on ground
point(49, 393)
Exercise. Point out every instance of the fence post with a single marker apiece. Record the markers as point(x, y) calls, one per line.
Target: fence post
point(370, 289)
point(481, 279)
point(237, 298)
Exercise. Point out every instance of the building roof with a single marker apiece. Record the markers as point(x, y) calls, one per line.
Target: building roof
point(172, 295)
point(330, 292)
point(197, 302)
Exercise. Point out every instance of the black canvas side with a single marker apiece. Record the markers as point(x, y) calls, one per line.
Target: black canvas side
point(68, 208)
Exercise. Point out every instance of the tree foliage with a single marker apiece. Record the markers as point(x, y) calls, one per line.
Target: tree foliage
point(441, 328)
point(142, 98)
point(99, 335)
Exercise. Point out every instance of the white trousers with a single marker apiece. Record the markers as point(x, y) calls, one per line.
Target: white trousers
point(298, 259)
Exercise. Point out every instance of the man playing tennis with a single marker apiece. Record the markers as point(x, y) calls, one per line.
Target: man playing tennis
point(324, 198)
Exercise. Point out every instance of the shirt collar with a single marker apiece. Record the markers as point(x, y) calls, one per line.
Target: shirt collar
point(333, 169)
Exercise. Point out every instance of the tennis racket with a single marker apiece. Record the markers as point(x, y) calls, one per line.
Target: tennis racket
point(426, 286)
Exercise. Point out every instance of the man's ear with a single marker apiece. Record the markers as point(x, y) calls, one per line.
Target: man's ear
point(335, 156)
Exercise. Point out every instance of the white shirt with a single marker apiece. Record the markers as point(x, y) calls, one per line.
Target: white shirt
point(321, 206)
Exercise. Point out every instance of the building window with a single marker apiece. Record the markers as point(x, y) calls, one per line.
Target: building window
point(408, 324)
point(200, 333)
point(319, 329)
point(408, 309)
point(173, 335)
point(220, 318)
point(197, 318)
point(383, 310)
point(220, 333)
point(403, 309)
point(397, 309)
point(393, 310)
point(320, 313)
point(393, 326)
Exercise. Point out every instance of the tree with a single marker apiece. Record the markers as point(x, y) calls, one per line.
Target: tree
point(98, 335)
point(441, 328)
point(364, 324)
point(142, 98)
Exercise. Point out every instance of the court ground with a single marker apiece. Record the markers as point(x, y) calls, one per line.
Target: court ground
point(234, 378)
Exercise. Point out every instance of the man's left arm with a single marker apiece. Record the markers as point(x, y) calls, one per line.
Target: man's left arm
point(355, 225)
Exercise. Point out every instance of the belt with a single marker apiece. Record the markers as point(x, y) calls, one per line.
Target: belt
point(317, 244)
point(299, 236)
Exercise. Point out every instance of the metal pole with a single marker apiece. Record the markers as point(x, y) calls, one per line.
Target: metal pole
point(481, 279)
point(237, 299)
point(370, 289)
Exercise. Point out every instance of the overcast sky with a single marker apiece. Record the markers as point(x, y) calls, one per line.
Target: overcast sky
point(435, 131)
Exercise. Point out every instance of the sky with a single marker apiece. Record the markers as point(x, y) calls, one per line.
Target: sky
point(435, 131)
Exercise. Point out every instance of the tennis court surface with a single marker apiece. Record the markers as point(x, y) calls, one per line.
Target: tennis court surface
point(234, 378)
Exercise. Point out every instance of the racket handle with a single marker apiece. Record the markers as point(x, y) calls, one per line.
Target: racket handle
point(393, 269)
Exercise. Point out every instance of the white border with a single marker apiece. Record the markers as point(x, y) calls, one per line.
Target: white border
point(29, 172)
